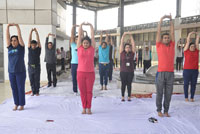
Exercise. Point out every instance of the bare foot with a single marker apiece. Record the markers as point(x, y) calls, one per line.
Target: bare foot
point(21, 108)
point(89, 111)
point(129, 98)
point(101, 87)
point(186, 99)
point(37, 94)
point(167, 115)
point(32, 94)
point(106, 88)
point(15, 108)
point(160, 114)
point(84, 111)
point(123, 99)
point(192, 100)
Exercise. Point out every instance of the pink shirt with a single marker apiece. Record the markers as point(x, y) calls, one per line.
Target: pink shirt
point(86, 59)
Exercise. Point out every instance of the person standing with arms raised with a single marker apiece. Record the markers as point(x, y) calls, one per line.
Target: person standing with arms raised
point(104, 50)
point(16, 66)
point(127, 52)
point(165, 46)
point(74, 61)
point(50, 59)
point(34, 51)
point(85, 71)
point(191, 66)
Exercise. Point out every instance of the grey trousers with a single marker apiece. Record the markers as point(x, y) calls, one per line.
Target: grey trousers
point(164, 85)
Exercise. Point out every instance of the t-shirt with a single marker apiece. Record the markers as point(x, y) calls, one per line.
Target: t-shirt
point(104, 54)
point(180, 52)
point(146, 55)
point(16, 59)
point(63, 54)
point(86, 59)
point(74, 53)
point(191, 59)
point(126, 62)
point(165, 57)
point(34, 56)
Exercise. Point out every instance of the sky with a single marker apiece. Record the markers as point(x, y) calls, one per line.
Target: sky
point(141, 13)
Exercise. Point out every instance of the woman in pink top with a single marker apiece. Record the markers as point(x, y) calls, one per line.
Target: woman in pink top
point(85, 71)
point(190, 72)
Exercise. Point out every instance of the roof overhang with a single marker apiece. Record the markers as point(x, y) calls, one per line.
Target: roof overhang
point(96, 5)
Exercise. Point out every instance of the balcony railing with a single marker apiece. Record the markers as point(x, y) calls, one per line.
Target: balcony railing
point(185, 20)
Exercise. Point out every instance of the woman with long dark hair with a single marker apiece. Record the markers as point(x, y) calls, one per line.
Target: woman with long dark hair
point(127, 52)
point(16, 66)
point(85, 71)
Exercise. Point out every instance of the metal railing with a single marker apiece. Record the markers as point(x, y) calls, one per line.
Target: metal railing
point(191, 19)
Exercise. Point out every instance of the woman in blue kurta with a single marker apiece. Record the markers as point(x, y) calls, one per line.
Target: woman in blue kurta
point(16, 66)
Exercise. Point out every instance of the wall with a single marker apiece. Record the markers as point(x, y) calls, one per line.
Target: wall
point(1, 55)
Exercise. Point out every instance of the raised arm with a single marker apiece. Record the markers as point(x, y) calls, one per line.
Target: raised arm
point(54, 41)
point(73, 34)
point(92, 35)
point(150, 46)
point(121, 49)
point(132, 43)
point(47, 40)
point(197, 41)
point(107, 39)
point(171, 28)
point(111, 40)
point(30, 38)
point(8, 35)
point(188, 41)
point(79, 35)
point(100, 41)
point(158, 37)
point(37, 37)
point(21, 42)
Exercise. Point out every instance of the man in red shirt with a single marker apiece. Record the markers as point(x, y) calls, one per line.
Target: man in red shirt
point(165, 46)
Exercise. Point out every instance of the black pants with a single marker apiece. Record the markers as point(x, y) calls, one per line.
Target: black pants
point(126, 80)
point(34, 77)
point(179, 63)
point(51, 68)
point(110, 72)
point(74, 76)
point(63, 64)
point(134, 64)
point(139, 62)
point(147, 64)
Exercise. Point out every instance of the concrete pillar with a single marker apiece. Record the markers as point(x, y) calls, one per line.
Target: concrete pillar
point(74, 15)
point(95, 20)
point(178, 8)
point(121, 17)
point(177, 33)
